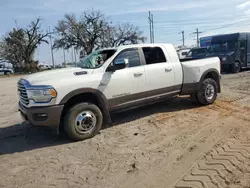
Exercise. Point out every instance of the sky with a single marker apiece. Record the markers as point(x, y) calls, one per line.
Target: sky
point(170, 18)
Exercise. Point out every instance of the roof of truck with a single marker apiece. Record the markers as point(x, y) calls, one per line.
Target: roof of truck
point(144, 45)
point(137, 46)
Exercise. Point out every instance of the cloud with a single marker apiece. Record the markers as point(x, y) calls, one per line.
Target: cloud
point(161, 6)
point(244, 5)
point(113, 7)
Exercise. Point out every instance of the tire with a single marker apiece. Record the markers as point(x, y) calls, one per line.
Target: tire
point(193, 98)
point(85, 113)
point(7, 72)
point(207, 94)
point(236, 67)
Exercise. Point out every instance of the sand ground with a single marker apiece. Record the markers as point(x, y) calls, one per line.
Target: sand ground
point(170, 144)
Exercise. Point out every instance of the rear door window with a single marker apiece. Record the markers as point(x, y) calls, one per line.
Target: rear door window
point(154, 55)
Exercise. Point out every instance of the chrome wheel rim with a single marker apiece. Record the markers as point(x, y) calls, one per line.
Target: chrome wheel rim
point(85, 122)
point(209, 91)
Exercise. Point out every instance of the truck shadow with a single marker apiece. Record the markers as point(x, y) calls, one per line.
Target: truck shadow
point(24, 137)
point(173, 105)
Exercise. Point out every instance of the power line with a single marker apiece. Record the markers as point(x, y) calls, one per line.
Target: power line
point(201, 24)
point(225, 26)
point(221, 18)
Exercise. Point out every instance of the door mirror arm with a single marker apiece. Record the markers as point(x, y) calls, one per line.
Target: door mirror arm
point(111, 69)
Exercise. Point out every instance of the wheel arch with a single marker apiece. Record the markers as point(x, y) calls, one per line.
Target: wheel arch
point(211, 73)
point(87, 95)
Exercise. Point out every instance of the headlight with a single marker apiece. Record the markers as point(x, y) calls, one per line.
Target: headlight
point(224, 58)
point(41, 95)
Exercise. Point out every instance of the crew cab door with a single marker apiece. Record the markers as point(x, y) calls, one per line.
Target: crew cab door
point(160, 75)
point(124, 85)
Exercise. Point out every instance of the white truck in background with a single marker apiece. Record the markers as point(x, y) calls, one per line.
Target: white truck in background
point(79, 100)
point(44, 67)
point(182, 53)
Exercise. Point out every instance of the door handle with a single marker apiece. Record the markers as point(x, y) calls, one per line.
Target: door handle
point(138, 74)
point(168, 69)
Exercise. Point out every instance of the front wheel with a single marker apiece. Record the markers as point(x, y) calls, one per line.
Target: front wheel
point(83, 121)
point(7, 73)
point(207, 94)
point(236, 67)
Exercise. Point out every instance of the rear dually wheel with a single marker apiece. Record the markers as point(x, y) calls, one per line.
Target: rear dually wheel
point(207, 93)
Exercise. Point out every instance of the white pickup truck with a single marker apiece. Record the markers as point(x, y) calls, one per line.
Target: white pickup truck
point(79, 100)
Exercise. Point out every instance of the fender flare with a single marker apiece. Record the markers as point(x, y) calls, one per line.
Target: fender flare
point(102, 100)
point(212, 70)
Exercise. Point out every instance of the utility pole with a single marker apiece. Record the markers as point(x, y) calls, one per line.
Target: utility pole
point(16, 24)
point(64, 58)
point(75, 55)
point(183, 38)
point(153, 33)
point(72, 54)
point(51, 48)
point(151, 27)
point(197, 36)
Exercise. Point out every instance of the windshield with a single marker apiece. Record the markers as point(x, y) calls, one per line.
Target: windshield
point(223, 46)
point(197, 52)
point(96, 59)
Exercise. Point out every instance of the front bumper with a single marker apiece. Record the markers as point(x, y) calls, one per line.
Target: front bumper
point(42, 116)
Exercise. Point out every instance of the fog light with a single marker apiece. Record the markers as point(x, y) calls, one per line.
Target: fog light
point(40, 116)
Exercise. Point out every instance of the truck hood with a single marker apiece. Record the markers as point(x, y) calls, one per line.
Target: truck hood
point(56, 75)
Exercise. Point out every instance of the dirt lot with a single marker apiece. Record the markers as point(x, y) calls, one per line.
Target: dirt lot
point(171, 144)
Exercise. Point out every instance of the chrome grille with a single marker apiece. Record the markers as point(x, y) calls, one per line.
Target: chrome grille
point(23, 93)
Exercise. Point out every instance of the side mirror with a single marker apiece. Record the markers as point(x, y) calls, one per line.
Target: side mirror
point(126, 61)
point(118, 64)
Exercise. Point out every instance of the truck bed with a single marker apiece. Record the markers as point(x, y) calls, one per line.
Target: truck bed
point(195, 67)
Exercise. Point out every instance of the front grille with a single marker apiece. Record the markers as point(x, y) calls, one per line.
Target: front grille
point(23, 93)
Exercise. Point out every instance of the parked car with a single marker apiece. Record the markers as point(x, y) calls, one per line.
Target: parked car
point(182, 53)
point(45, 67)
point(197, 53)
point(6, 70)
point(79, 100)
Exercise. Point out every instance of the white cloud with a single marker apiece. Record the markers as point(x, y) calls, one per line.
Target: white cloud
point(161, 6)
point(113, 7)
point(244, 5)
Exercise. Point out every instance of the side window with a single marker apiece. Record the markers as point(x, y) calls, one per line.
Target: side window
point(242, 44)
point(184, 53)
point(189, 53)
point(154, 55)
point(132, 55)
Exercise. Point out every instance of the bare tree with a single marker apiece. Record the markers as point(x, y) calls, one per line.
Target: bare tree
point(93, 31)
point(80, 34)
point(19, 45)
point(122, 34)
